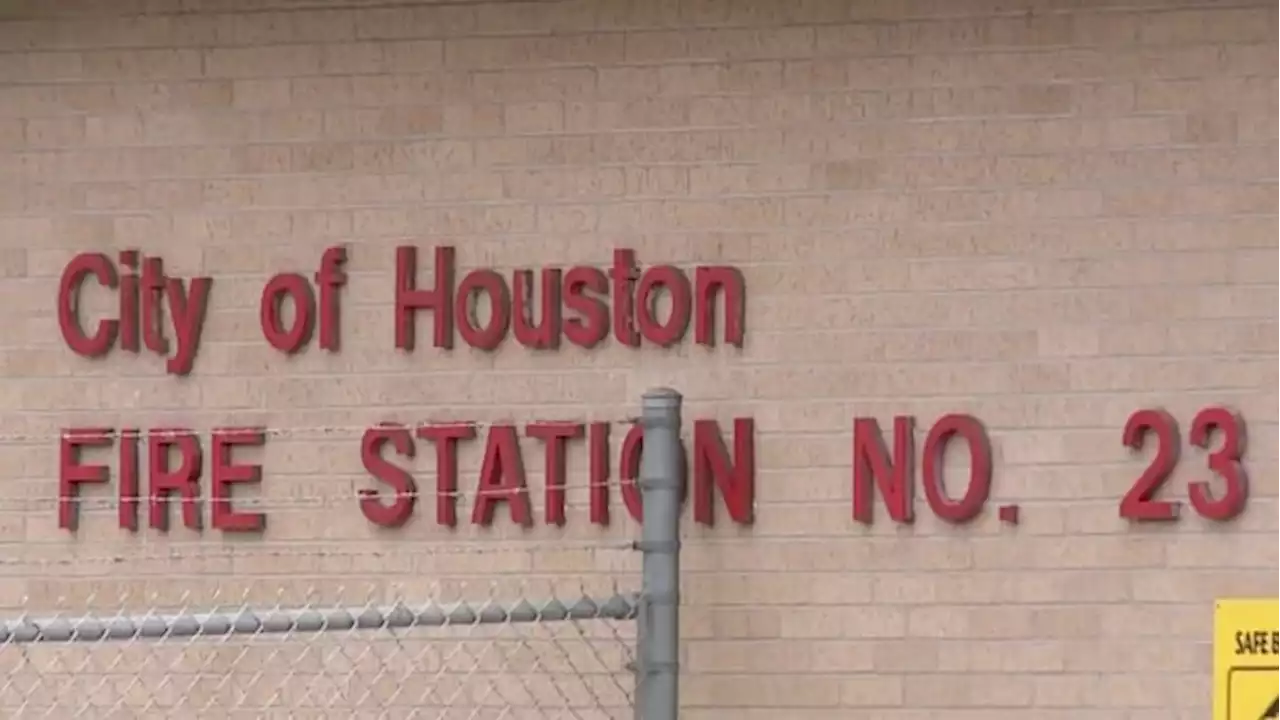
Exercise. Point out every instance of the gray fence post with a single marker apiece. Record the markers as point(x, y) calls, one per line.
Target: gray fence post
point(661, 468)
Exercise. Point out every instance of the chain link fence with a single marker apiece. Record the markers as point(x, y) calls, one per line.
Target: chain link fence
point(345, 647)
point(485, 658)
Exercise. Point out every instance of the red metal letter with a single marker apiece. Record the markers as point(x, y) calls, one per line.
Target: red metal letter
point(492, 334)
point(72, 473)
point(583, 288)
point(1140, 502)
point(677, 285)
point(598, 472)
point(127, 513)
point(445, 438)
point(712, 469)
point(295, 287)
point(183, 480)
point(556, 437)
point(871, 463)
point(545, 335)
point(402, 484)
point(152, 314)
point(226, 472)
point(707, 281)
point(409, 299)
point(624, 276)
point(975, 496)
point(73, 276)
point(188, 310)
point(502, 479)
point(129, 294)
point(329, 278)
point(1225, 462)
point(629, 472)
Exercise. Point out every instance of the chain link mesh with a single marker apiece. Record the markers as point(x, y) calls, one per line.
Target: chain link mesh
point(380, 654)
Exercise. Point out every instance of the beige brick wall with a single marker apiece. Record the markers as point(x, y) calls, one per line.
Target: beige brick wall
point(1046, 214)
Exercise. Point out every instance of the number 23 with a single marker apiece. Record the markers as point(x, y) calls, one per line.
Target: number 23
point(1225, 462)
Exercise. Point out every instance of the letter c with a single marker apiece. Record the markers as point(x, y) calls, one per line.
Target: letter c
point(73, 277)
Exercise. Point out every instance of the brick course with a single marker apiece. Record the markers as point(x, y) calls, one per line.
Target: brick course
point(1047, 214)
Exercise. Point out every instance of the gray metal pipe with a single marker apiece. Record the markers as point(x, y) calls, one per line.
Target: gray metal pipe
point(661, 465)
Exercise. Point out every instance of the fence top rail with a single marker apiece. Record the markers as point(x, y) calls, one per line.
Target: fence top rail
point(246, 621)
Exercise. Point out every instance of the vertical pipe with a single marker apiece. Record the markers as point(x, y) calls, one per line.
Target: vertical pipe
point(661, 469)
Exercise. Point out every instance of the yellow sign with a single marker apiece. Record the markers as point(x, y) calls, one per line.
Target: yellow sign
point(1246, 659)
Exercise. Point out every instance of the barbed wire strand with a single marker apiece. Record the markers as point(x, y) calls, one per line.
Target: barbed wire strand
point(301, 431)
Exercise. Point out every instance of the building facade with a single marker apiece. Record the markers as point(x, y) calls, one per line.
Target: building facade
point(1031, 244)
